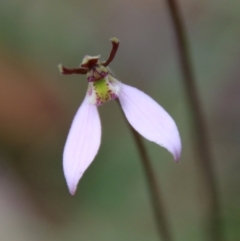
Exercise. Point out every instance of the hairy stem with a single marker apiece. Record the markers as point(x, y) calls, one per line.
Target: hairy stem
point(205, 160)
point(155, 192)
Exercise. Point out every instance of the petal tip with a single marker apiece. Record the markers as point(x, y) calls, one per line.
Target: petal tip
point(177, 152)
point(177, 157)
point(72, 180)
point(72, 190)
point(60, 68)
point(114, 40)
point(72, 185)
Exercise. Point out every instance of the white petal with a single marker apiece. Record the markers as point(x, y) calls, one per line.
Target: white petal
point(82, 144)
point(149, 119)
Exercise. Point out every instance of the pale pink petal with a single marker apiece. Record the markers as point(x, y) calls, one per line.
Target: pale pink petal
point(82, 144)
point(149, 119)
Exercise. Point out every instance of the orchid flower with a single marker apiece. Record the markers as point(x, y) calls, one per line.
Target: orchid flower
point(145, 115)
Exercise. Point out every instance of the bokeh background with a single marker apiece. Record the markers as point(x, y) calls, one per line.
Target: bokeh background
point(37, 106)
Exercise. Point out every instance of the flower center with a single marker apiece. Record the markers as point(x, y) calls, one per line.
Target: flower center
point(102, 86)
point(103, 90)
point(96, 73)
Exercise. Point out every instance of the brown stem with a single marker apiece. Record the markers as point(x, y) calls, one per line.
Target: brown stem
point(205, 160)
point(66, 71)
point(155, 192)
point(115, 45)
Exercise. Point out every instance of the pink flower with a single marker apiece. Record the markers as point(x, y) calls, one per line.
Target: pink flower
point(144, 114)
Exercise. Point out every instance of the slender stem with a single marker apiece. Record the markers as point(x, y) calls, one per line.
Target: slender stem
point(155, 192)
point(66, 71)
point(205, 160)
point(115, 45)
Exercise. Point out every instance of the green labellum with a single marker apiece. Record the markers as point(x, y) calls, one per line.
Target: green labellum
point(103, 90)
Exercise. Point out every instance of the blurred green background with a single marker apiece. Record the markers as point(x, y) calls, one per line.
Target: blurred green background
point(37, 106)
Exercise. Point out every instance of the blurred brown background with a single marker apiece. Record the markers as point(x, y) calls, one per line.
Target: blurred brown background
point(37, 106)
